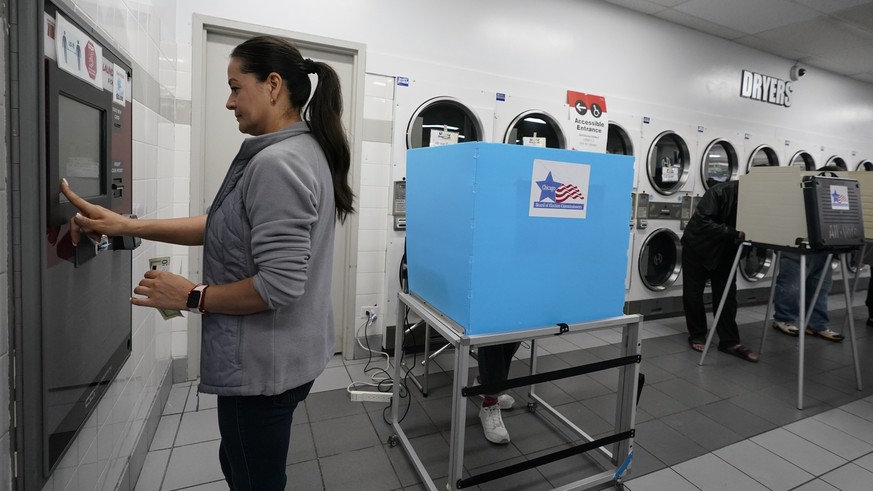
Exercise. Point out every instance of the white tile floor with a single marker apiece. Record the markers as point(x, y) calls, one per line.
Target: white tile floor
point(832, 450)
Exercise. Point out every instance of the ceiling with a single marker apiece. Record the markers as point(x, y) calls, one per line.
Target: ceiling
point(834, 35)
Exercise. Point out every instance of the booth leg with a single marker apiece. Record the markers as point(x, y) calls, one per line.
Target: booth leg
point(724, 295)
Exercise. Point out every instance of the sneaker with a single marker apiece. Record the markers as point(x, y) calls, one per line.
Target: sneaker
point(492, 424)
point(787, 327)
point(827, 334)
point(505, 401)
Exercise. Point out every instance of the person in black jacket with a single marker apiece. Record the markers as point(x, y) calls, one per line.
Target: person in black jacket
point(709, 245)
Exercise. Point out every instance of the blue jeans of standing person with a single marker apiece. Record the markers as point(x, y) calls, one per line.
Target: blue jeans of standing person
point(785, 300)
point(255, 437)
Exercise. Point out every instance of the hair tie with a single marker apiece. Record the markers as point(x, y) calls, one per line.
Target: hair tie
point(309, 66)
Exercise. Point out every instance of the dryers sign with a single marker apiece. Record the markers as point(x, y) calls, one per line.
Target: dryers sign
point(766, 89)
point(559, 189)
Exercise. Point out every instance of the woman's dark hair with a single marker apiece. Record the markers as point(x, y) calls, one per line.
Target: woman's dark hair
point(263, 55)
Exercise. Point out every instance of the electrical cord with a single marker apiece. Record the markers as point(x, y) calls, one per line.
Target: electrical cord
point(381, 380)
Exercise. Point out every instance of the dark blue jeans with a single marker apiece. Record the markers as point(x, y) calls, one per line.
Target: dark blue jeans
point(786, 304)
point(255, 436)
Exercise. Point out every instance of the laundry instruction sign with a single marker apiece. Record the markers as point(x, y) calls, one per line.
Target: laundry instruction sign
point(588, 121)
point(559, 189)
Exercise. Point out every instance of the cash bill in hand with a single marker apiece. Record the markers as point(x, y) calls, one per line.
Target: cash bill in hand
point(163, 264)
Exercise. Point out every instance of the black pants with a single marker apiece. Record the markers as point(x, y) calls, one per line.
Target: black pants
point(694, 276)
point(494, 362)
point(869, 300)
point(255, 436)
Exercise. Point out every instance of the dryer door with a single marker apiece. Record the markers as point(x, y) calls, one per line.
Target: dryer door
point(719, 163)
point(755, 262)
point(440, 121)
point(660, 259)
point(618, 142)
point(537, 129)
point(668, 163)
point(803, 160)
point(763, 155)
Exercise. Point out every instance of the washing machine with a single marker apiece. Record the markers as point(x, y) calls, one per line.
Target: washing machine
point(800, 149)
point(623, 138)
point(720, 157)
point(663, 202)
point(520, 120)
point(833, 156)
point(427, 113)
point(761, 147)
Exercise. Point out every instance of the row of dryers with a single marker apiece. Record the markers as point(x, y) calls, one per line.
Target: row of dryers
point(680, 162)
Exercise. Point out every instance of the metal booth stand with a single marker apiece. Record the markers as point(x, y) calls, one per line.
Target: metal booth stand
point(803, 250)
point(621, 441)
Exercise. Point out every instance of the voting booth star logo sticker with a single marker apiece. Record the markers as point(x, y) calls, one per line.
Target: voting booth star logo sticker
point(564, 198)
point(548, 187)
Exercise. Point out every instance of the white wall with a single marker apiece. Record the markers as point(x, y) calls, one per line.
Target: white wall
point(588, 45)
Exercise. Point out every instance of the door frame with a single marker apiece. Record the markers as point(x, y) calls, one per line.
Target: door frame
point(203, 25)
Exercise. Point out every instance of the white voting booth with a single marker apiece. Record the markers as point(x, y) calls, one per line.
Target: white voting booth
point(803, 213)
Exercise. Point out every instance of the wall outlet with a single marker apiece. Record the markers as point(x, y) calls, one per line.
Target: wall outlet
point(370, 396)
point(373, 310)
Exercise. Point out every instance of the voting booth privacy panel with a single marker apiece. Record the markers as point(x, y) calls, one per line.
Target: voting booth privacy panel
point(785, 207)
point(504, 237)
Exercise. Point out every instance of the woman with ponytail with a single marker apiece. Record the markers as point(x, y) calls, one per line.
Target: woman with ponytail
point(267, 329)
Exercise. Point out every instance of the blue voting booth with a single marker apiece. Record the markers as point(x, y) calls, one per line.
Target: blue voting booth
point(505, 238)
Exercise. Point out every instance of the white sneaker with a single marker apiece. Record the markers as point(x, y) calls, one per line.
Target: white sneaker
point(787, 327)
point(505, 401)
point(492, 424)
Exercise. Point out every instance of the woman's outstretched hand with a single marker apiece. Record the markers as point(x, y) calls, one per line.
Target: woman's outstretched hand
point(92, 220)
point(162, 290)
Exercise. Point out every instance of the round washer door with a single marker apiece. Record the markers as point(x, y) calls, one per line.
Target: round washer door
point(720, 163)
point(762, 156)
point(660, 261)
point(440, 120)
point(838, 161)
point(755, 262)
point(618, 142)
point(803, 160)
point(535, 124)
point(668, 162)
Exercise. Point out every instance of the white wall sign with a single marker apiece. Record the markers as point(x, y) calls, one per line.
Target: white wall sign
point(764, 88)
point(559, 189)
point(119, 86)
point(77, 53)
point(588, 122)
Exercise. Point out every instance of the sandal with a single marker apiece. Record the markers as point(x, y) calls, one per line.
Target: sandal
point(697, 346)
point(742, 352)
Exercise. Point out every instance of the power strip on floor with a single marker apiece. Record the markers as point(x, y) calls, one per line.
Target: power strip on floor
point(370, 396)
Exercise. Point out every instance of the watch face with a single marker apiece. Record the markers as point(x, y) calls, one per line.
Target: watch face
point(193, 299)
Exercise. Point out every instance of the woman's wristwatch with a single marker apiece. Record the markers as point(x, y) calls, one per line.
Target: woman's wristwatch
point(196, 297)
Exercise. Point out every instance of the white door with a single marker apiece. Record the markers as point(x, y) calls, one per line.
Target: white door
point(220, 140)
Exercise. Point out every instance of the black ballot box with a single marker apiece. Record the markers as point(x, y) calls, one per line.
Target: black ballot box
point(834, 216)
